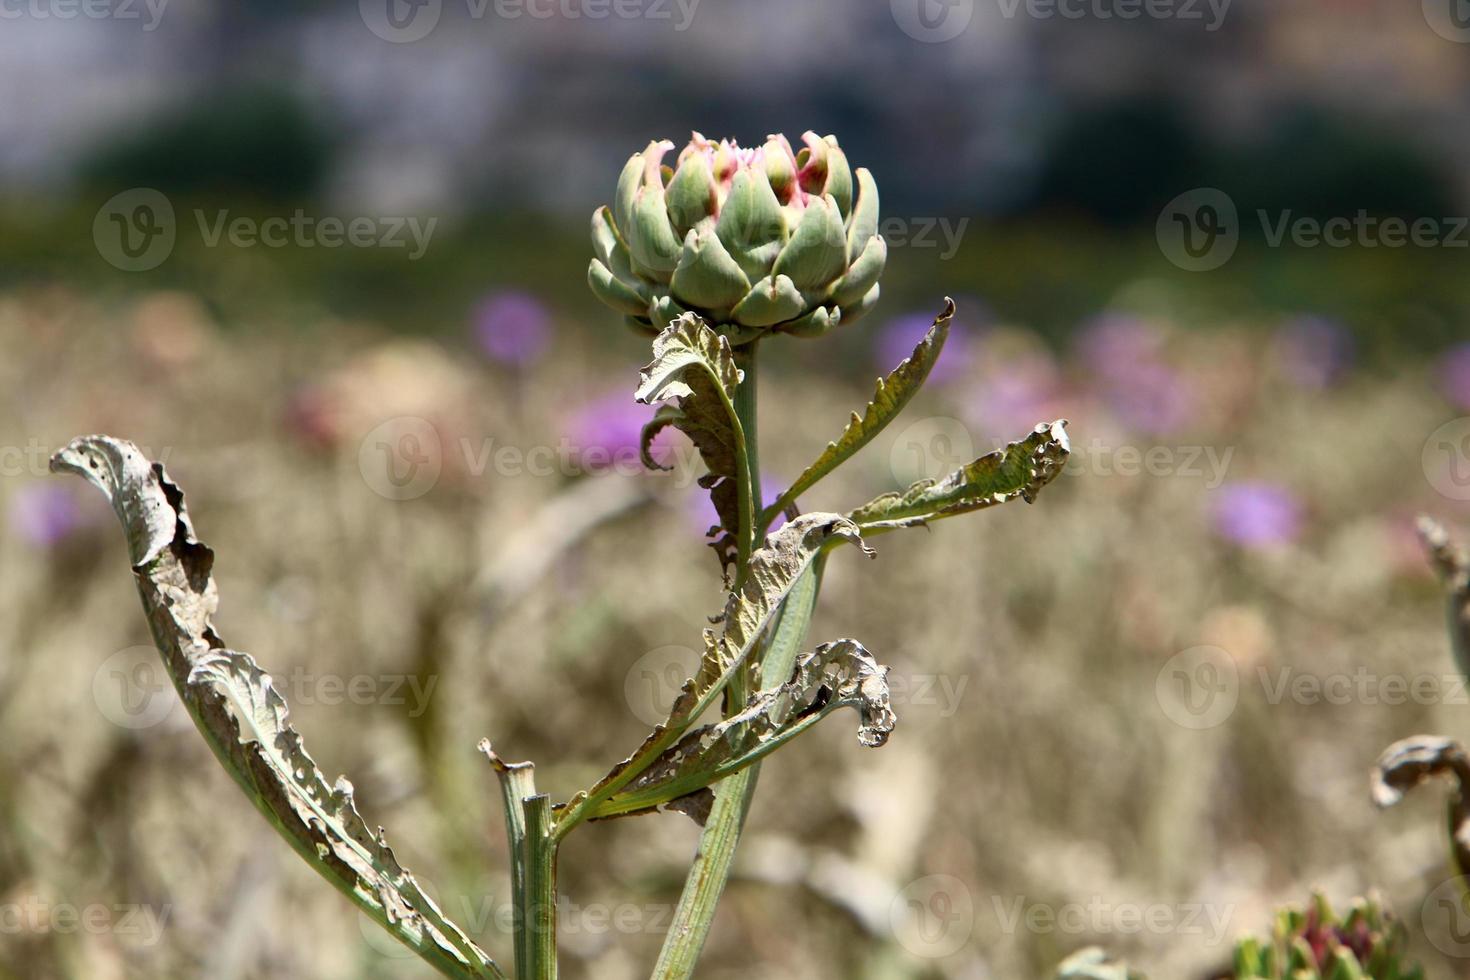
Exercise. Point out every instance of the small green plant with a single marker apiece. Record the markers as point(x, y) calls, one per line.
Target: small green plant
point(734, 246)
point(1314, 944)
point(1305, 944)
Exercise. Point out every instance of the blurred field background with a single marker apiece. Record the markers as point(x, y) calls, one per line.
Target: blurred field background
point(1251, 443)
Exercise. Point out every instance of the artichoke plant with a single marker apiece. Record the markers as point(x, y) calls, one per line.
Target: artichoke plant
point(1315, 943)
point(756, 241)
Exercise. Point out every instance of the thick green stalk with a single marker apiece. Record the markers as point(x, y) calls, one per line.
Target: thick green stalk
point(538, 902)
point(771, 663)
point(745, 414)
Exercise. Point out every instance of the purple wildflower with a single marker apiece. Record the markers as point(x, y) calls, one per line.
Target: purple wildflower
point(1013, 394)
point(606, 431)
point(1454, 375)
point(1314, 352)
point(1113, 344)
point(1257, 514)
point(1154, 398)
point(44, 515)
point(512, 327)
point(898, 337)
point(1125, 356)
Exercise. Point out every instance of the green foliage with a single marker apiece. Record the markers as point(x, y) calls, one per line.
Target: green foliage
point(1314, 944)
point(259, 144)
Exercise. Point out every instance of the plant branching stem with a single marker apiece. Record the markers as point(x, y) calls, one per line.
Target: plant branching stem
point(772, 662)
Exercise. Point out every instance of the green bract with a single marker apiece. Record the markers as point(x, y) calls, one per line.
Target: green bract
point(754, 240)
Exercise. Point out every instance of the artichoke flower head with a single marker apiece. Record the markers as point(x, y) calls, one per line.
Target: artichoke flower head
point(755, 241)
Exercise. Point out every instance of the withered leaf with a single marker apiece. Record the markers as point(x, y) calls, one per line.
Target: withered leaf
point(774, 571)
point(892, 394)
point(1019, 470)
point(842, 674)
point(245, 719)
point(694, 369)
point(1408, 762)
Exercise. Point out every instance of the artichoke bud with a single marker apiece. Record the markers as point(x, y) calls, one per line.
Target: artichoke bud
point(780, 167)
point(762, 240)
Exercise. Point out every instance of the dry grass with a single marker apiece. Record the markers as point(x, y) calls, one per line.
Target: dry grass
point(1033, 762)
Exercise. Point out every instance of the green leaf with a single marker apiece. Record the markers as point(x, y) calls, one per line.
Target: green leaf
point(243, 717)
point(694, 368)
point(892, 394)
point(1019, 470)
point(835, 675)
point(774, 571)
